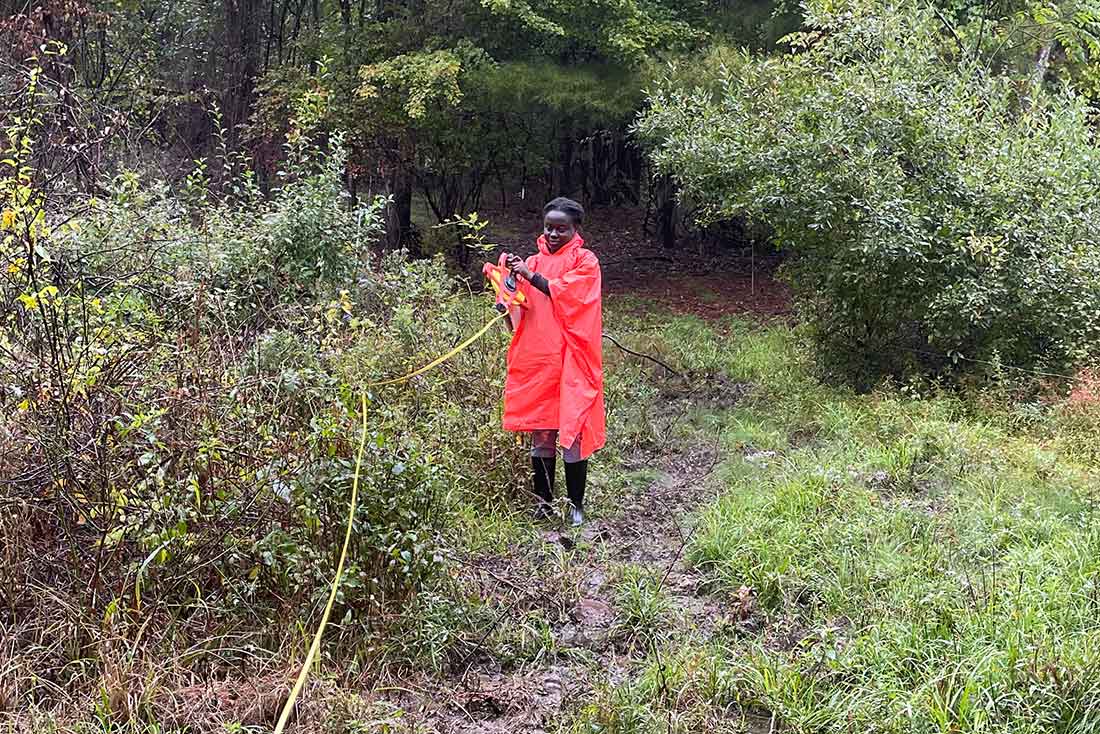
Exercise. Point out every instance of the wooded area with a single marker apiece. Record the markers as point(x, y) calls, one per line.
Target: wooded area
point(442, 100)
point(851, 273)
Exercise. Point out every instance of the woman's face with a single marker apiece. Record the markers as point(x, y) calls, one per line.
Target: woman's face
point(558, 228)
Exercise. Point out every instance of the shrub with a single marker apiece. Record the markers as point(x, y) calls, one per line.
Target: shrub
point(937, 212)
point(180, 398)
point(393, 552)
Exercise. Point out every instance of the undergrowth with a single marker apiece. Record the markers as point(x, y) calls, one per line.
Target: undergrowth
point(180, 398)
point(181, 374)
point(180, 391)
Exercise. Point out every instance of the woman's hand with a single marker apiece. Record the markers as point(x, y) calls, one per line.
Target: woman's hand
point(516, 264)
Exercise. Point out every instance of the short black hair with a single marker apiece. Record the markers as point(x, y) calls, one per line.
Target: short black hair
point(566, 206)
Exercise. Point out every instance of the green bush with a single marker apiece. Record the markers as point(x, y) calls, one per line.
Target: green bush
point(238, 257)
point(938, 209)
point(393, 552)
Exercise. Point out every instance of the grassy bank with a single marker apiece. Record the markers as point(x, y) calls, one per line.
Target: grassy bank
point(886, 563)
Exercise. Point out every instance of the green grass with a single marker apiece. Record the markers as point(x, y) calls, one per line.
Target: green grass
point(918, 565)
point(642, 604)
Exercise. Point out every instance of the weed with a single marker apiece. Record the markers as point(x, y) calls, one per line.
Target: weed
point(642, 604)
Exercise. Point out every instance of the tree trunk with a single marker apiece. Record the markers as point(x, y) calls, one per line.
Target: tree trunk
point(666, 212)
point(566, 153)
point(345, 16)
point(1042, 64)
point(242, 26)
point(346, 29)
point(630, 156)
point(399, 229)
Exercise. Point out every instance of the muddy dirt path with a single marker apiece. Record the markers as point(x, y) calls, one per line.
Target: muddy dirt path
point(562, 587)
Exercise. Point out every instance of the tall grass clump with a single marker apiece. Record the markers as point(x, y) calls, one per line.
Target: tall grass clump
point(916, 567)
point(898, 561)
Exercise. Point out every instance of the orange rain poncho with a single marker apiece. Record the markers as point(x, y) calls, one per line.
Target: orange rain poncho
point(555, 361)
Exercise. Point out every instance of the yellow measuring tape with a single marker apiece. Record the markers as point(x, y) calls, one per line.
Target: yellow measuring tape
point(284, 717)
point(313, 648)
point(440, 360)
point(516, 297)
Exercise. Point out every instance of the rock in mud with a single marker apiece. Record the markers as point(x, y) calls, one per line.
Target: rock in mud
point(592, 612)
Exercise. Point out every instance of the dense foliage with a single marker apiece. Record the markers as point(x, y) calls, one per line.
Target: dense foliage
point(939, 210)
point(439, 100)
point(180, 383)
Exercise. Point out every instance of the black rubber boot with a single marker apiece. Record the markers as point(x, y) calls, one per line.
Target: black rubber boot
point(576, 476)
point(544, 482)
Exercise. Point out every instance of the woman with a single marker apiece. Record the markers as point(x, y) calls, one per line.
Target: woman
point(554, 388)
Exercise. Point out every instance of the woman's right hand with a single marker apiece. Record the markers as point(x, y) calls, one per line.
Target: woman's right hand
point(516, 264)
